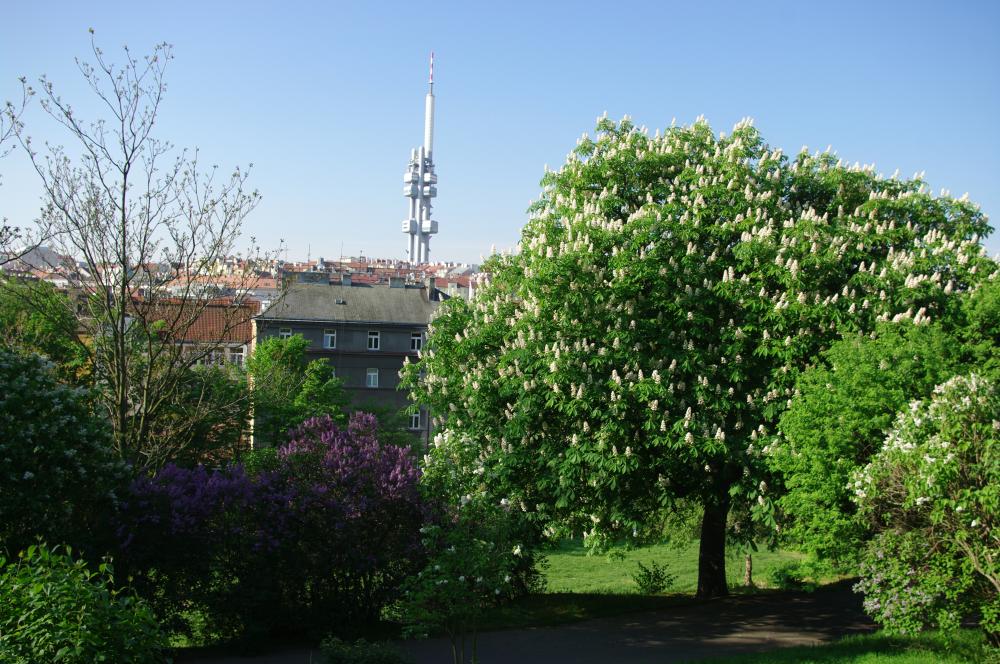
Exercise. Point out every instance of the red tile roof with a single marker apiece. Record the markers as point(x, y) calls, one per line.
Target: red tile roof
point(219, 321)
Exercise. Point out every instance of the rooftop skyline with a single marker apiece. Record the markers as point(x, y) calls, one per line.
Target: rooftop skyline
point(328, 101)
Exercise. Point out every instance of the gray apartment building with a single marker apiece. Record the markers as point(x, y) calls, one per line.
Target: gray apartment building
point(364, 331)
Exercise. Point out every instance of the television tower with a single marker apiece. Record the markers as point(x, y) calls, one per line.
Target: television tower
point(419, 185)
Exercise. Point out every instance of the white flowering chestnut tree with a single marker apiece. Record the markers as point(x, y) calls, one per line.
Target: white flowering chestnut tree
point(640, 344)
point(933, 495)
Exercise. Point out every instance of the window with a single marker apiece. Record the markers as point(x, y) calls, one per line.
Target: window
point(214, 357)
point(371, 379)
point(284, 333)
point(373, 340)
point(415, 420)
point(236, 356)
point(416, 340)
point(329, 338)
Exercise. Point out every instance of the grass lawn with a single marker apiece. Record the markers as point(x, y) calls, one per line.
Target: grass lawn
point(572, 570)
point(967, 647)
point(582, 586)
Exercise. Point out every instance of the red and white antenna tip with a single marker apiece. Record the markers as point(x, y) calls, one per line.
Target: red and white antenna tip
point(431, 81)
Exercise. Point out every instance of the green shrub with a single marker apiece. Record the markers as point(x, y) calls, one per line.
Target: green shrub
point(55, 609)
point(337, 651)
point(654, 579)
point(792, 576)
point(59, 479)
point(932, 493)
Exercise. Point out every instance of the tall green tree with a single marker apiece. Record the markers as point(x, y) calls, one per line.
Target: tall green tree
point(846, 402)
point(979, 333)
point(286, 390)
point(36, 317)
point(641, 344)
point(842, 409)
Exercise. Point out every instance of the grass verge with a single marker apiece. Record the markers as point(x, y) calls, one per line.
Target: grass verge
point(965, 647)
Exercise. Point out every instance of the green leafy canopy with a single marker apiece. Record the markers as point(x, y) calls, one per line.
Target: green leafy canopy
point(643, 340)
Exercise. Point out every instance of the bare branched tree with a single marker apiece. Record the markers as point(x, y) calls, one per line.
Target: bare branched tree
point(11, 245)
point(152, 237)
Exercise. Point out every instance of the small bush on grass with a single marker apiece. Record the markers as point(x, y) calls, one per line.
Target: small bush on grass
point(654, 579)
point(792, 576)
point(337, 651)
point(55, 609)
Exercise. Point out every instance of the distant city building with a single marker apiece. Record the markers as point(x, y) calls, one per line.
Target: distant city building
point(364, 331)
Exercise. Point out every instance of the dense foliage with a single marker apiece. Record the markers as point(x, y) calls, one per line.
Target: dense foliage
point(55, 609)
point(844, 405)
point(642, 343)
point(337, 651)
point(58, 477)
point(933, 495)
point(475, 547)
point(208, 416)
point(287, 390)
point(327, 526)
point(839, 416)
point(37, 318)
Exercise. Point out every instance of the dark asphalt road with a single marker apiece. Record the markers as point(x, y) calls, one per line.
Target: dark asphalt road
point(704, 629)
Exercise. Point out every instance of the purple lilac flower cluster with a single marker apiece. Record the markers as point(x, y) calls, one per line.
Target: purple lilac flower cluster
point(330, 528)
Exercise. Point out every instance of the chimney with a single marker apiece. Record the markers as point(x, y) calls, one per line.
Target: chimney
point(431, 289)
point(397, 282)
point(345, 279)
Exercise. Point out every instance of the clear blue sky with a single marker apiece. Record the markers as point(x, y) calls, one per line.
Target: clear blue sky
point(326, 99)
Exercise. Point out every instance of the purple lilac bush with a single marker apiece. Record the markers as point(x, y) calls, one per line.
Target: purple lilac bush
point(322, 535)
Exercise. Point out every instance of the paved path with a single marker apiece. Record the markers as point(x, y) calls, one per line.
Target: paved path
point(697, 631)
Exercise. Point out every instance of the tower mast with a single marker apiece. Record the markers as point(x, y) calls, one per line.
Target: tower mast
point(419, 185)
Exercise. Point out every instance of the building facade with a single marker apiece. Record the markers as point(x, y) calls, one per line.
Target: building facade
point(365, 332)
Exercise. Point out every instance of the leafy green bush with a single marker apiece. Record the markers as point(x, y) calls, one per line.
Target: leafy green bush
point(654, 579)
point(287, 390)
point(477, 549)
point(337, 651)
point(59, 478)
point(933, 496)
point(36, 317)
point(791, 576)
point(842, 409)
point(55, 609)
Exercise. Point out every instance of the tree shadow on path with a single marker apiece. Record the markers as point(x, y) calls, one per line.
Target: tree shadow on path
point(701, 629)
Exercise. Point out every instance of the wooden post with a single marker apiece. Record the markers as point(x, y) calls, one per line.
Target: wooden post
point(748, 571)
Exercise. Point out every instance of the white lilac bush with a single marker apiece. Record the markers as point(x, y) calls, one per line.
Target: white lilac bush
point(933, 495)
point(59, 479)
point(475, 547)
